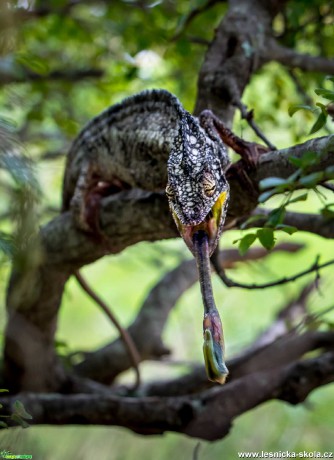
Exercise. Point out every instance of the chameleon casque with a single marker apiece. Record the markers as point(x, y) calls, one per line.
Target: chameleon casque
point(124, 147)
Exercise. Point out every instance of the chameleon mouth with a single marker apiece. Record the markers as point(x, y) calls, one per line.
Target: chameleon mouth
point(210, 225)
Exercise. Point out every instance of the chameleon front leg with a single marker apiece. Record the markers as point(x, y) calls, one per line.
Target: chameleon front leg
point(249, 151)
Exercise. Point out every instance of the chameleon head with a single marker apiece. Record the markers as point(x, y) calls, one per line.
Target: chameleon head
point(197, 189)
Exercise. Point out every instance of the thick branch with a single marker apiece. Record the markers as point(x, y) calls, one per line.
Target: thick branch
point(258, 358)
point(233, 56)
point(293, 59)
point(208, 415)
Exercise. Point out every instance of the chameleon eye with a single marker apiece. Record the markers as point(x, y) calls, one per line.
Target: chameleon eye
point(169, 192)
point(209, 185)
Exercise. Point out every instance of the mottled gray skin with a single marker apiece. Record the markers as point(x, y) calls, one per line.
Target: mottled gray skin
point(194, 154)
point(140, 142)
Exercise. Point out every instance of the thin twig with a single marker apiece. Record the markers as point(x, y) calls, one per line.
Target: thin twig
point(196, 451)
point(299, 87)
point(248, 116)
point(127, 340)
point(315, 267)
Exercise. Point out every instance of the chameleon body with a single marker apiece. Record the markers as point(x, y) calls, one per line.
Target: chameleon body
point(150, 141)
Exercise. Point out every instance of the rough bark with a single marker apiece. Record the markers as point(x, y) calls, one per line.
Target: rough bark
point(207, 415)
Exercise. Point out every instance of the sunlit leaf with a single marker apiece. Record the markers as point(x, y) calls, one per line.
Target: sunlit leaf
point(327, 213)
point(276, 216)
point(246, 242)
point(295, 161)
point(320, 123)
point(266, 195)
point(287, 229)
point(302, 197)
point(266, 237)
point(311, 180)
point(20, 410)
point(327, 94)
point(271, 182)
point(295, 108)
point(19, 420)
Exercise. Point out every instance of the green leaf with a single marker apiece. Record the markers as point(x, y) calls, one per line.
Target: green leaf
point(294, 176)
point(326, 93)
point(266, 237)
point(310, 158)
point(266, 195)
point(329, 173)
point(4, 390)
point(276, 216)
point(311, 180)
point(295, 161)
point(271, 182)
point(246, 242)
point(302, 197)
point(19, 410)
point(16, 418)
point(329, 170)
point(321, 121)
point(295, 108)
point(3, 424)
point(327, 213)
point(287, 229)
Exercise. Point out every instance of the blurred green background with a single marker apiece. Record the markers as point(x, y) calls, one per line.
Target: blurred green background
point(45, 101)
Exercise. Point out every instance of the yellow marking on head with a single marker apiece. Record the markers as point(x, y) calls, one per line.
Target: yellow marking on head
point(218, 206)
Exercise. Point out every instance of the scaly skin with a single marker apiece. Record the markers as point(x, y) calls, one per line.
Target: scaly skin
point(147, 141)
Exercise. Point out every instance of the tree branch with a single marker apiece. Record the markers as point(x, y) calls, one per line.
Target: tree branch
point(248, 115)
point(293, 59)
point(207, 415)
point(125, 336)
point(314, 268)
point(233, 56)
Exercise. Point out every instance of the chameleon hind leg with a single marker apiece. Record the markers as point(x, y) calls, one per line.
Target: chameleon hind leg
point(91, 187)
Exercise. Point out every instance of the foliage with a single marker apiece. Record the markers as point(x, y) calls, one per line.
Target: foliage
point(61, 67)
point(323, 112)
point(18, 416)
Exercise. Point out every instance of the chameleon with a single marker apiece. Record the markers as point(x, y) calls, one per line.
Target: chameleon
point(149, 141)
